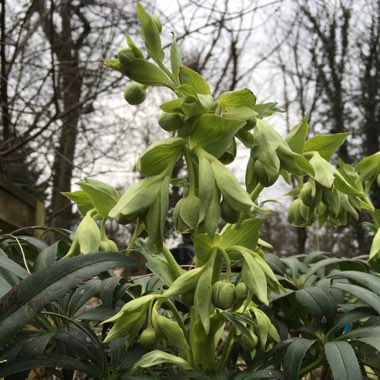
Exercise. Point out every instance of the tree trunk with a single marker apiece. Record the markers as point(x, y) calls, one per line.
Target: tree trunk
point(66, 49)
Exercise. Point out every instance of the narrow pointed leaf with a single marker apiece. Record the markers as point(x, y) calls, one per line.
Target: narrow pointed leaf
point(342, 360)
point(21, 305)
point(294, 355)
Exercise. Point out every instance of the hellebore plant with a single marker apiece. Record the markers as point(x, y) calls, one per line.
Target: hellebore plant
point(223, 309)
point(215, 319)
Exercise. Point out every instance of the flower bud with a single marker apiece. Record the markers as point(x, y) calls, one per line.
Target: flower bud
point(223, 294)
point(297, 213)
point(250, 123)
point(248, 344)
point(135, 93)
point(126, 56)
point(171, 121)
point(148, 338)
point(186, 214)
point(332, 200)
point(108, 246)
point(267, 174)
point(241, 291)
point(228, 213)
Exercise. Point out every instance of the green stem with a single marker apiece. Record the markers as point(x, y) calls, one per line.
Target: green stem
point(256, 192)
point(173, 265)
point(191, 172)
point(167, 72)
point(135, 235)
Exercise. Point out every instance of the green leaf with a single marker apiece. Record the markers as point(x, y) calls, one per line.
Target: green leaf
point(297, 136)
point(202, 296)
point(230, 188)
point(254, 277)
point(184, 283)
point(21, 305)
point(127, 324)
point(352, 316)
point(172, 106)
point(175, 58)
point(342, 360)
point(341, 184)
point(369, 280)
point(363, 332)
point(241, 327)
point(368, 167)
point(191, 77)
point(155, 218)
point(237, 99)
point(317, 303)
point(147, 73)
point(150, 34)
point(11, 266)
point(363, 294)
point(245, 235)
point(156, 262)
point(294, 355)
point(52, 360)
point(324, 171)
point(373, 342)
point(161, 156)
point(266, 109)
point(172, 332)
point(87, 235)
point(294, 162)
point(204, 244)
point(81, 199)
point(136, 51)
point(82, 294)
point(321, 264)
point(375, 246)
point(103, 196)
point(325, 145)
point(213, 133)
point(137, 199)
point(49, 255)
point(159, 357)
point(206, 186)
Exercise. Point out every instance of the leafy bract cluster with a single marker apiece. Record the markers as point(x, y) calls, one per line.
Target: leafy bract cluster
point(205, 132)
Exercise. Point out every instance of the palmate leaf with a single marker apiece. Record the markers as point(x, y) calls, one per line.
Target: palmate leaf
point(294, 355)
point(23, 302)
point(318, 304)
point(370, 281)
point(342, 360)
point(50, 360)
point(352, 316)
point(363, 294)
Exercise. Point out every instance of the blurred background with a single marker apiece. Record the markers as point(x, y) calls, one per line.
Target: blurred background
point(63, 115)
